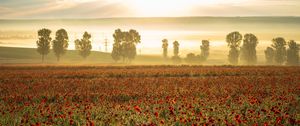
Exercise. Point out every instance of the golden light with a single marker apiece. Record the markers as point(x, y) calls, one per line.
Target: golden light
point(158, 8)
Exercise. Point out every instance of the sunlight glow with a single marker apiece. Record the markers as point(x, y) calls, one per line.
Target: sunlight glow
point(158, 8)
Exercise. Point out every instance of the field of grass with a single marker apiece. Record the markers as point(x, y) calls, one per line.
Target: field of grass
point(15, 55)
point(149, 95)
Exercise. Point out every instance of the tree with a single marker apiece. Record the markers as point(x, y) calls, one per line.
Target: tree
point(84, 45)
point(165, 48)
point(279, 50)
point(125, 44)
point(233, 40)
point(43, 42)
point(60, 44)
point(117, 48)
point(192, 58)
point(248, 50)
point(116, 52)
point(269, 54)
point(293, 53)
point(204, 50)
point(176, 58)
point(176, 48)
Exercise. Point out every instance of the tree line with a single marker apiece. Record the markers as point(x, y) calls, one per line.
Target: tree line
point(242, 48)
point(61, 43)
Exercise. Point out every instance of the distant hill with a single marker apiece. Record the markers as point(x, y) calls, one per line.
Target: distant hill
point(16, 55)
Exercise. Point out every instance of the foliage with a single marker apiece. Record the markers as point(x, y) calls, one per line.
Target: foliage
point(60, 44)
point(293, 53)
point(248, 49)
point(125, 44)
point(269, 54)
point(176, 48)
point(176, 59)
point(43, 42)
point(84, 45)
point(165, 48)
point(192, 58)
point(233, 40)
point(204, 50)
point(279, 50)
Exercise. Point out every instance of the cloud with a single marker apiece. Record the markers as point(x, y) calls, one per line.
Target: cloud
point(122, 8)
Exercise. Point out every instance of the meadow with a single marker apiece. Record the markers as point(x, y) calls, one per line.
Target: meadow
point(149, 95)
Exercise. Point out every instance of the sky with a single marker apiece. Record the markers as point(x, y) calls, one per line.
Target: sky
point(31, 9)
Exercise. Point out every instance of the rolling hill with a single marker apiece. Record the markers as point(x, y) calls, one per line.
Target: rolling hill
point(16, 55)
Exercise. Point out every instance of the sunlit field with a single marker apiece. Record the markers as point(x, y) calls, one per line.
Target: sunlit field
point(149, 95)
point(149, 63)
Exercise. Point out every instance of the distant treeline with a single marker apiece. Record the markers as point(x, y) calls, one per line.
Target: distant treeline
point(242, 48)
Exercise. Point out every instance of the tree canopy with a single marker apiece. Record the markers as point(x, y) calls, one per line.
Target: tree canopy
point(125, 44)
point(233, 40)
point(43, 42)
point(248, 49)
point(84, 45)
point(60, 44)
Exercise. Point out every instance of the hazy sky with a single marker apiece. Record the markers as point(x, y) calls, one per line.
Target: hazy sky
point(145, 8)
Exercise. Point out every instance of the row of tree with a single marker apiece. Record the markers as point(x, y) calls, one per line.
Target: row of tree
point(246, 53)
point(124, 47)
point(61, 43)
point(277, 54)
point(191, 57)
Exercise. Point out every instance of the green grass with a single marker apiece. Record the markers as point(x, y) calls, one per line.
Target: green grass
point(18, 55)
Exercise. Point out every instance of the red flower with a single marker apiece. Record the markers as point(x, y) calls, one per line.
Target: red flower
point(137, 108)
point(156, 114)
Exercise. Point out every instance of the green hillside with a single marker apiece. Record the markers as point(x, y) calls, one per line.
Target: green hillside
point(30, 56)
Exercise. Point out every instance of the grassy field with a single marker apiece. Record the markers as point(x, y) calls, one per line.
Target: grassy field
point(15, 55)
point(150, 95)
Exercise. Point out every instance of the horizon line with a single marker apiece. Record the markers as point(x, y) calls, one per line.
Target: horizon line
point(149, 17)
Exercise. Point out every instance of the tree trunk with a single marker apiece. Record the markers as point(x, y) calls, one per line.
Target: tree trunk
point(58, 58)
point(43, 58)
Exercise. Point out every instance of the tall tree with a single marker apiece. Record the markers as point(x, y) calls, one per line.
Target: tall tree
point(60, 44)
point(116, 52)
point(84, 45)
point(269, 54)
point(43, 42)
point(176, 48)
point(125, 44)
point(280, 50)
point(293, 53)
point(248, 50)
point(165, 48)
point(204, 50)
point(117, 48)
point(176, 59)
point(233, 40)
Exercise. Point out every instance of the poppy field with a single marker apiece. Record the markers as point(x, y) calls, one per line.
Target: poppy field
point(149, 95)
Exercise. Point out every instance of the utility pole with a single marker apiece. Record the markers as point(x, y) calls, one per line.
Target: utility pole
point(106, 43)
